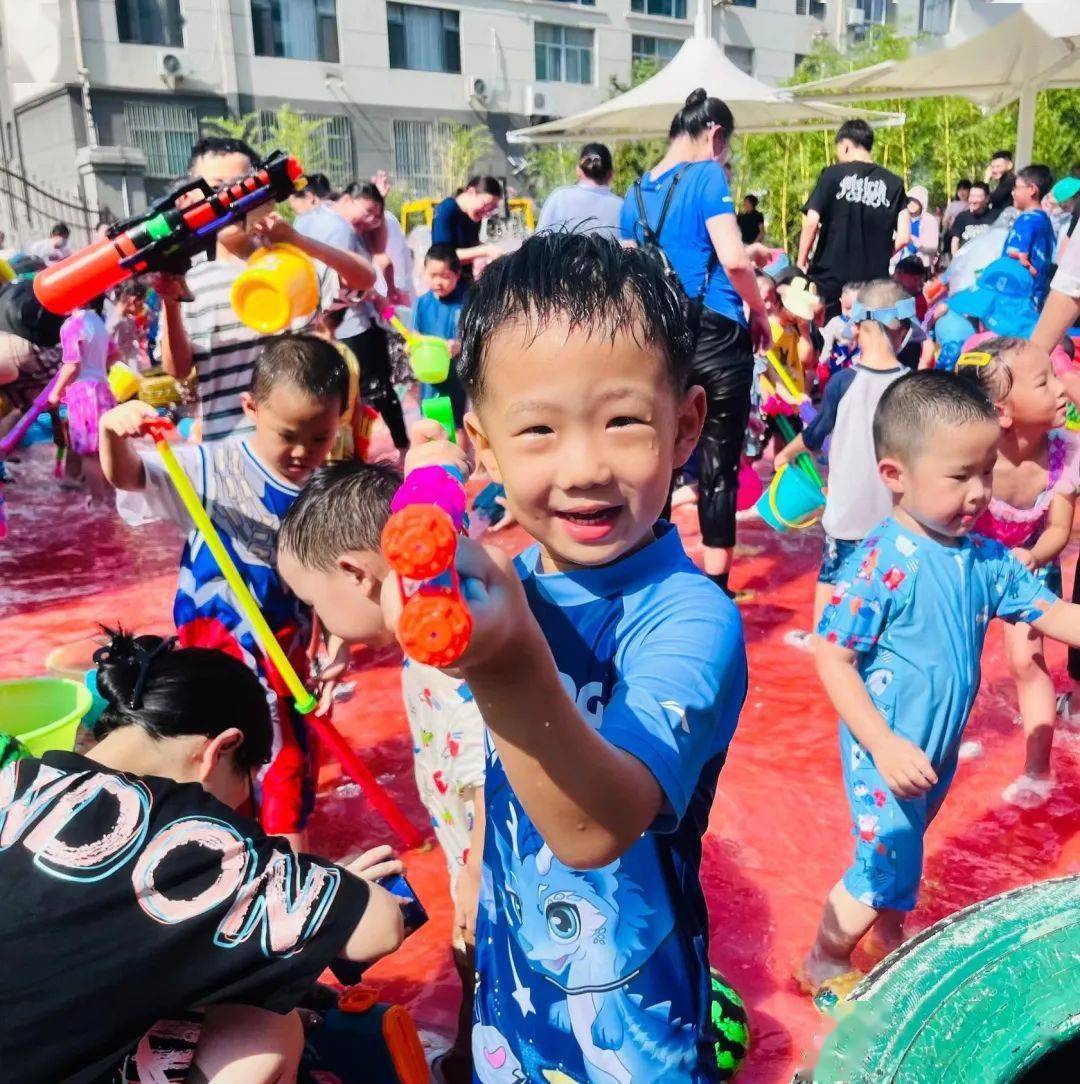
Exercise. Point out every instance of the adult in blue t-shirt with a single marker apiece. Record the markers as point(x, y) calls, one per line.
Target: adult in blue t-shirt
point(457, 221)
point(683, 205)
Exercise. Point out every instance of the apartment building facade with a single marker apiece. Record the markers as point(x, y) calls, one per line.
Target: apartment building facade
point(117, 75)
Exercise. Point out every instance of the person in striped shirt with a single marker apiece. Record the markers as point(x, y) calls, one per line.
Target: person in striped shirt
point(199, 329)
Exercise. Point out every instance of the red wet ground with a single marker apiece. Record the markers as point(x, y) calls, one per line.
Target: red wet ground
point(778, 834)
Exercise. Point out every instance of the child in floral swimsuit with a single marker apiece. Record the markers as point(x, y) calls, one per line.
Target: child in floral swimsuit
point(1035, 482)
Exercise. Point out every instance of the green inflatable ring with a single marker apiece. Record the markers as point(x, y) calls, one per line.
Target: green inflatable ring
point(981, 996)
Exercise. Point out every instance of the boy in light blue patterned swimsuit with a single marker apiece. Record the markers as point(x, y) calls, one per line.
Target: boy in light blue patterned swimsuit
point(900, 642)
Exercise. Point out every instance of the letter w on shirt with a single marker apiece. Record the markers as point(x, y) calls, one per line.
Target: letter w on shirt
point(285, 912)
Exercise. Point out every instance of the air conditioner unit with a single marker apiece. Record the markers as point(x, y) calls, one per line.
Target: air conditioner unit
point(171, 68)
point(856, 17)
point(477, 89)
point(535, 102)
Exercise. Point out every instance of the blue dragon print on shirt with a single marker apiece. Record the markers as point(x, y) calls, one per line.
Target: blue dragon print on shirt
point(588, 934)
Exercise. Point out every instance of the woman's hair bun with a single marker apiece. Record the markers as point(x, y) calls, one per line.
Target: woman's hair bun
point(123, 664)
point(696, 97)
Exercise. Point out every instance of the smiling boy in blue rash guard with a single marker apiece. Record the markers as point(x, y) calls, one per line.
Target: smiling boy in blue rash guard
point(609, 671)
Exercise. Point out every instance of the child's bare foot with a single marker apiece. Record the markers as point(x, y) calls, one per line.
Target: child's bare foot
point(819, 967)
point(1028, 791)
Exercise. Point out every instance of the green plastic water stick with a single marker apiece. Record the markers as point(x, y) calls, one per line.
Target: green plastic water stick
point(439, 409)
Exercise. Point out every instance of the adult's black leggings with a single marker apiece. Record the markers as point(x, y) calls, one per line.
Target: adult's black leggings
point(724, 366)
point(376, 381)
point(1074, 653)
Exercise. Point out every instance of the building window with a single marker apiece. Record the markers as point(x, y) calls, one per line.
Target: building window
point(423, 39)
point(816, 8)
point(334, 140)
point(583, 3)
point(744, 3)
point(935, 16)
point(296, 29)
point(873, 11)
point(673, 9)
point(563, 54)
point(164, 132)
point(659, 49)
point(149, 22)
point(741, 57)
point(414, 157)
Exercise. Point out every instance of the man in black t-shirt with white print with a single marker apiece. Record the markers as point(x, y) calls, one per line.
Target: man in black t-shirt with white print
point(857, 216)
point(975, 221)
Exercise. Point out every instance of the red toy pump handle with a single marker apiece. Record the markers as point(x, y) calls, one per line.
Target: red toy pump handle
point(157, 427)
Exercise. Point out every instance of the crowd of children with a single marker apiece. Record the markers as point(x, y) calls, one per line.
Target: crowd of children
point(570, 759)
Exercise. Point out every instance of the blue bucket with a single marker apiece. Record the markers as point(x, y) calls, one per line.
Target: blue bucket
point(791, 502)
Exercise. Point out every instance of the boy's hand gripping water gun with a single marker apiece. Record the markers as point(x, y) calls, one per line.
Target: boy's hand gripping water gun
point(306, 702)
point(164, 238)
point(419, 543)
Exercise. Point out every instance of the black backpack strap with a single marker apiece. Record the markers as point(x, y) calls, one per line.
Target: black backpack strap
point(649, 235)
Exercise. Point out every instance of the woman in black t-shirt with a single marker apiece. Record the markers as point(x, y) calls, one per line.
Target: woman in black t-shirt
point(132, 893)
point(457, 221)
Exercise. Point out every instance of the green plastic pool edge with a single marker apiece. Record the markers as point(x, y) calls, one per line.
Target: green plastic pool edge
point(982, 995)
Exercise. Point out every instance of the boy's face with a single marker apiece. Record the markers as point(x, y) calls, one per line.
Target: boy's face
point(584, 432)
point(219, 170)
point(1025, 195)
point(441, 277)
point(946, 485)
point(847, 301)
point(293, 431)
point(346, 597)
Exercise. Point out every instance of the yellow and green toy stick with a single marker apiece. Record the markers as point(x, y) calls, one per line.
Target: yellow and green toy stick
point(305, 700)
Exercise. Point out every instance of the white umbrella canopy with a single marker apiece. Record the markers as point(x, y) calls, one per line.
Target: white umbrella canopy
point(1037, 47)
point(646, 110)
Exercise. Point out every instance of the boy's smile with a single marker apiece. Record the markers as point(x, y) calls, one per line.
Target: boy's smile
point(584, 430)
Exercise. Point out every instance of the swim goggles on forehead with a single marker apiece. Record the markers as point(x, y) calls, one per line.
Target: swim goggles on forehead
point(902, 310)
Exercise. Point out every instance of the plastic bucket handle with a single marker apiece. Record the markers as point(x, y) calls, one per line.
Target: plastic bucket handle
point(791, 525)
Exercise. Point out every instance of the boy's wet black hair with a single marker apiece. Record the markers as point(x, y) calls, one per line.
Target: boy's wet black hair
point(178, 692)
point(342, 509)
point(306, 362)
point(1039, 176)
point(916, 404)
point(590, 282)
point(221, 145)
point(444, 252)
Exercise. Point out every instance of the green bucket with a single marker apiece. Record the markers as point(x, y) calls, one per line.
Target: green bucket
point(43, 713)
point(791, 502)
point(430, 358)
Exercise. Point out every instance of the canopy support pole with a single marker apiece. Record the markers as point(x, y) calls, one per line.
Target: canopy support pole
point(1025, 125)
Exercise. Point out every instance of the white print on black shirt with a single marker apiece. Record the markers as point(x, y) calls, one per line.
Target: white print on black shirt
point(865, 190)
point(272, 904)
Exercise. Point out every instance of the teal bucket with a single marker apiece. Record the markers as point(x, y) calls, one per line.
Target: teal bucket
point(791, 502)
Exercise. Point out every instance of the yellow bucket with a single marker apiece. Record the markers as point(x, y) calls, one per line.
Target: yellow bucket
point(123, 382)
point(278, 286)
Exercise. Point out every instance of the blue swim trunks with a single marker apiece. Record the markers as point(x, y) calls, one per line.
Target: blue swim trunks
point(888, 830)
point(833, 555)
